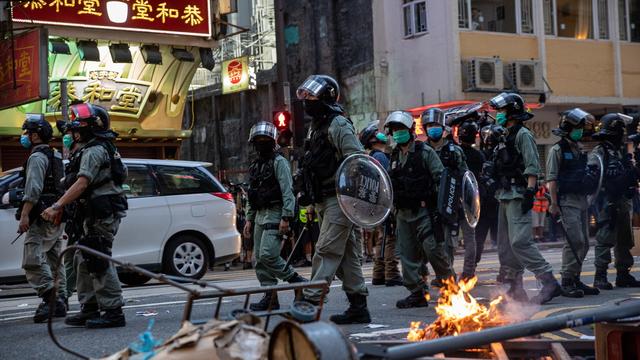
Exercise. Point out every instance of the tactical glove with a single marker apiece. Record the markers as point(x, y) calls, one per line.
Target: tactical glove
point(527, 202)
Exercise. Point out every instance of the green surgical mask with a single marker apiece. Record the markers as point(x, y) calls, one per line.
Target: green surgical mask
point(501, 118)
point(401, 136)
point(67, 141)
point(575, 134)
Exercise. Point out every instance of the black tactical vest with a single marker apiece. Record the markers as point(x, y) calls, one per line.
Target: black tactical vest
point(264, 189)
point(323, 160)
point(118, 171)
point(572, 170)
point(412, 183)
point(509, 162)
point(54, 173)
point(447, 155)
point(475, 159)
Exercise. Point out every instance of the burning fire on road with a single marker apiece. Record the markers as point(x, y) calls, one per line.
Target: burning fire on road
point(458, 312)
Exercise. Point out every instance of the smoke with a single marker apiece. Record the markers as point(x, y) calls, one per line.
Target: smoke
point(512, 310)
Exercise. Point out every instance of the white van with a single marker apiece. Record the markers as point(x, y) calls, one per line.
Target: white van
point(181, 221)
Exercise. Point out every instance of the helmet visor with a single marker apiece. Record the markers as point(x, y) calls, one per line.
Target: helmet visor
point(81, 111)
point(577, 117)
point(263, 128)
point(433, 116)
point(313, 86)
point(500, 101)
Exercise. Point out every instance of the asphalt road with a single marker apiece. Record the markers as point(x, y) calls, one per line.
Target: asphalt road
point(23, 339)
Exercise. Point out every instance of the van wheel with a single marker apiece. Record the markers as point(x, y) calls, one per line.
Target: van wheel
point(133, 279)
point(186, 256)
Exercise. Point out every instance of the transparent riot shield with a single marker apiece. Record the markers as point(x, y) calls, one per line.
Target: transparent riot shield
point(364, 190)
point(594, 195)
point(470, 199)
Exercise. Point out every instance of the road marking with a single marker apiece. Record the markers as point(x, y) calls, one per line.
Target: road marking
point(587, 273)
point(381, 333)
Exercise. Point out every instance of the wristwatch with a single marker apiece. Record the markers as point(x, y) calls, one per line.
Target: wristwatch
point(56, 206)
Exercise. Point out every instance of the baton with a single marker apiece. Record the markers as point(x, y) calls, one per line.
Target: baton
point(383, 243)
point(293, 249)
point(16, 239)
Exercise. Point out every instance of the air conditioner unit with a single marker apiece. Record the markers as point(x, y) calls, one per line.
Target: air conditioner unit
point(482, 74)
point(525, 75)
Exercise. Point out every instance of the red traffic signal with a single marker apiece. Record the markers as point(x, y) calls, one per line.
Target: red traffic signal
point(281, 120)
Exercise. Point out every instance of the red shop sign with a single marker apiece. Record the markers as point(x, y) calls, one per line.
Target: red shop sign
point(31, 69)
point(188, 17)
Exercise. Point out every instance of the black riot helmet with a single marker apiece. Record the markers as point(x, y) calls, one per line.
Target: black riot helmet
point(370, 135)
point(468, 131)
point(432, 116)
point(612, 127)
point(491, 135)
point(573, 119)
point(263, 128)
point(320, 94)
point(513, 104)
point(35, 123)
point(90, 119)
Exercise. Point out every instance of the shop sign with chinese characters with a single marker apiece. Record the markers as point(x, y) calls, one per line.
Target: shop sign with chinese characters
point(237, 75)
point(121, 97)
point(30, 68)
point(188, 17)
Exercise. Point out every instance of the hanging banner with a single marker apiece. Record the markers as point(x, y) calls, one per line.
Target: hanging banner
point(27, 60)
point(237, 75)
point(188, 17)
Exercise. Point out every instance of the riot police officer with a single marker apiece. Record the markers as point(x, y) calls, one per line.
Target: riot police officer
point(568, 184)
point(385, 268)
point(43, 242)
point(332, 137)
point(454, 161)
point(415, 174)
point(99, 174)
point(270, 211)
point(620, 184)
point(517, 165)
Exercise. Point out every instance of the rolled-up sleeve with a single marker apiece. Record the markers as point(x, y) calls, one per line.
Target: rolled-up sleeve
point(36, 172)
point(92, 160)
point(526, 144)
point(553, 163)
point(283, 173)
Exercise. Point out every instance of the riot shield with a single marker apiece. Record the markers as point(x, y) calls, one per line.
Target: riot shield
point(470, 199)
point(592, 198)
point(364, 190)
point(448, 196)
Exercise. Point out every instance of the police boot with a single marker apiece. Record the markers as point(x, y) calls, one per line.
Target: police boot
point(394, 281)
point(550, 289)
point(87, 312)
point(626, 280)
point(586, 289)
point(61, 307)
point(111, 318)
point(600, 280)
point(296, 278)
point(357, 313)
point(416, 299)
point(570, 289)
point(263, 304)
point(516, 289)
point(42, 312)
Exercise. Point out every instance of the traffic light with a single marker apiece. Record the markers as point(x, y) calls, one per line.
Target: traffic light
point(281, 120)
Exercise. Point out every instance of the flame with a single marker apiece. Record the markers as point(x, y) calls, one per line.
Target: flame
point(458, 311)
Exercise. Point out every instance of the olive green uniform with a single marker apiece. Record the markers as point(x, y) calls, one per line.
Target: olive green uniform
point(337, 250)
point(43, 240)
point(614, 225)
point(573, 212)
point(103, 288)
point(451, 242)
point(266, 239)
point(516, 249)
point(415, 236)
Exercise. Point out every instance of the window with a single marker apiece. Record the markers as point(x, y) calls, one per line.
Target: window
point(622, 16)
point(176, 180)
point(508, 16)
point(139, 182)
point(629, 15)
point(415, 17)
point(575, 18)
point(603, 20)
point(549, 17)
